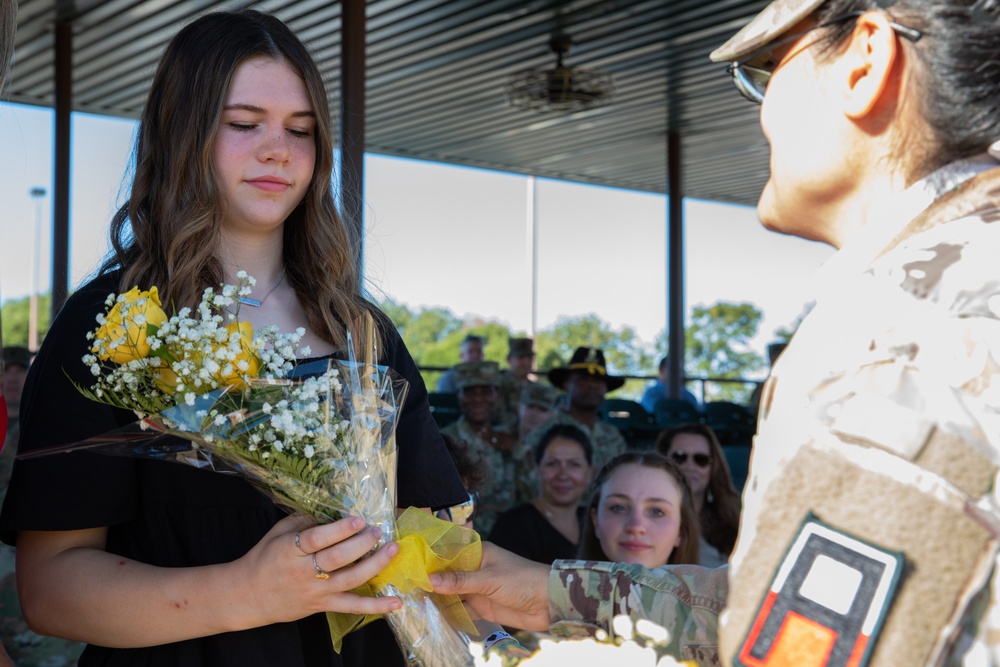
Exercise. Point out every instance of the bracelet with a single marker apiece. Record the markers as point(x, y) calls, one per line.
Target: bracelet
point(496, 637)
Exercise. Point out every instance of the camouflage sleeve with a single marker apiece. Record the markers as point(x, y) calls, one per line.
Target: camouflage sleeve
point(685, 599)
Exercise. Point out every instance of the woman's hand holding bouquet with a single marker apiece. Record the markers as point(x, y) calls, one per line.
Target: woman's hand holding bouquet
point(318, 437)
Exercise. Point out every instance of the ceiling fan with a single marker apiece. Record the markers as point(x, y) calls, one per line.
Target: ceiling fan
point(561, 88)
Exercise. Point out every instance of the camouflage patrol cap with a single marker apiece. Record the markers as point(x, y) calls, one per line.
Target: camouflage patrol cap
point(521, 347)
point(537, 395)
point(477, 374)
point(776, 19)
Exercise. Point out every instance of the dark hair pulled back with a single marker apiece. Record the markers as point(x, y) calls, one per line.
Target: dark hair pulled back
point(958, 73)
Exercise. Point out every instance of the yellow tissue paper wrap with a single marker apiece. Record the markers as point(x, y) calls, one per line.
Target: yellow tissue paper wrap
point(426, 545)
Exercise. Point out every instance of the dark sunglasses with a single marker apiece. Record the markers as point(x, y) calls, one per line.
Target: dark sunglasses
point(463, 513)
point(700, 460)
point(752, 80)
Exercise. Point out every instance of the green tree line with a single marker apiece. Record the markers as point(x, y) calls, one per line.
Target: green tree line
point(717, 343)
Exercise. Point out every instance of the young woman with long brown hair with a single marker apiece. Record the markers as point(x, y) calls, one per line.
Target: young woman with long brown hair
point(155, 563)
point(640, 511)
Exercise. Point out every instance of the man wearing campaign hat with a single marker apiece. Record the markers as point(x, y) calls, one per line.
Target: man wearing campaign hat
point(487, 442)
point(586, 381)
point(520, 364)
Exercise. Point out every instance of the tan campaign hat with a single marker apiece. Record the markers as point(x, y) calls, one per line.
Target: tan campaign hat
point(776, 19)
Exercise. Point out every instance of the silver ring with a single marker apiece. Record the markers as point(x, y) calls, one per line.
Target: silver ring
point(320, 572)
point(298, 544)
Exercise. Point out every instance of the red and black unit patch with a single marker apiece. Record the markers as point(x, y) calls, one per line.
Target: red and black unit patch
point(826, 603)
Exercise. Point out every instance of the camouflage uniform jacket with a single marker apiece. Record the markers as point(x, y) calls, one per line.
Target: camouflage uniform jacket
point(497, 491)
point(685, 599)
point(26, 649)
point(879, 433)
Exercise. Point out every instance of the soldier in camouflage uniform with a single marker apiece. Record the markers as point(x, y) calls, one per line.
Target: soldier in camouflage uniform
point(586, 381)
point(521, 362)
point(25, 648)
point(477, 382)
point(871, 524)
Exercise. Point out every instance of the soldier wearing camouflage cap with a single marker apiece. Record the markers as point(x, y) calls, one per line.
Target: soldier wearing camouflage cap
point(517, 375)
point(869, 534)
point(477, 383)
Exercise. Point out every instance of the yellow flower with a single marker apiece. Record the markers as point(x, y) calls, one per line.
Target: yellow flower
point(122, 337)
point(246, 364)
point(166, 379)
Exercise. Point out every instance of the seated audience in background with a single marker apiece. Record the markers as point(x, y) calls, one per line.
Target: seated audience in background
point(517, 375)
point(548, 528)
point(470, 350)
point(24, 647)
point(640, 512)
point(477, 392)
point(535, 407)
point(16, 360)
point(586, 382)
point(658, 390)
point(473, 472)
point(491, 635)
point(696, 451)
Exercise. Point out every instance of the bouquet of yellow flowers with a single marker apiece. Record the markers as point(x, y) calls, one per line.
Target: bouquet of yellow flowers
point(319, 437)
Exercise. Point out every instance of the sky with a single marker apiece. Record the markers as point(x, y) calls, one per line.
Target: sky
point(446, 236)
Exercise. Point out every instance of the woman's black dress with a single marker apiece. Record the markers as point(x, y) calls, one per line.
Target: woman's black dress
point(174, 515)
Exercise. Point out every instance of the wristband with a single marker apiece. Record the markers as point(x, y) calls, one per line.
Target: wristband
point(496, 637)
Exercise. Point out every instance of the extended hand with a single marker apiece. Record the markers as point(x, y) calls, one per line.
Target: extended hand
point(507, 589)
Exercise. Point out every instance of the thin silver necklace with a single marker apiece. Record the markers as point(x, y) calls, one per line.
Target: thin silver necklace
point(247, 301)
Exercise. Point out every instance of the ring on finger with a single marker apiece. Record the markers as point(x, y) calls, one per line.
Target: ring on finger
point(320, 572)
point(299, 544)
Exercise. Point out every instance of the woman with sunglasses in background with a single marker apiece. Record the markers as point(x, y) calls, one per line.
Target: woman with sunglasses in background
point(548, 528)
point(696, 451)
point(872, 489)
point(640, 511)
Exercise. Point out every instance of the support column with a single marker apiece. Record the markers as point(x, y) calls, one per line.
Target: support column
point(675, 266)
point(61, 166)
point(352, 123)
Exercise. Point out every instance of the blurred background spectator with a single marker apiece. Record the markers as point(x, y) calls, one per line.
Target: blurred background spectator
point(548, 528)
point(696, 451)
point(470, 350)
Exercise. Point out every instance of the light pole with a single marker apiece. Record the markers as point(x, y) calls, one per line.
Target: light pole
point(37, 193)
